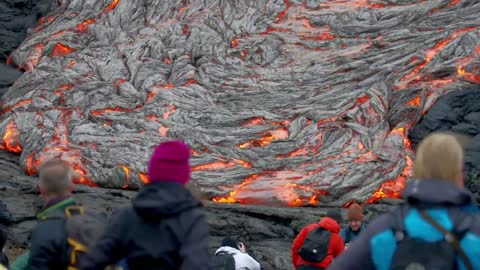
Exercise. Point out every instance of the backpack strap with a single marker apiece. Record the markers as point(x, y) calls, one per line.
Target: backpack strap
point(398, 226)
point(74, 210)
point(449, 237)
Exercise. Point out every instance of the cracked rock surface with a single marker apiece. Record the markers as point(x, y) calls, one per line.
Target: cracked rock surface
point(284, 102)
point(268, 232)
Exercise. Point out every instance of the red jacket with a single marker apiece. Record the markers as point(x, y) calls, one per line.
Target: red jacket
point(334, 250)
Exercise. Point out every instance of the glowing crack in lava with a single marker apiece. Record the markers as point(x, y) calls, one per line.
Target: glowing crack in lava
point(283, 102)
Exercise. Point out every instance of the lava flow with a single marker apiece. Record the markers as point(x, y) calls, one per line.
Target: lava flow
point(283, 102)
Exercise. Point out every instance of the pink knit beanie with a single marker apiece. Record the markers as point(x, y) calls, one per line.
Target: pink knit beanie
point(170, 163)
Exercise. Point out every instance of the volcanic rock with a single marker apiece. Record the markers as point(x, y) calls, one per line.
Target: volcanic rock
point(284, 102)
point(267, 231)
point(457, 112)
point(16, 19)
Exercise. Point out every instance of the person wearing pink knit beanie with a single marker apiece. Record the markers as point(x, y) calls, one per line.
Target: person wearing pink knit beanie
point(164, 221)
point(170, 163)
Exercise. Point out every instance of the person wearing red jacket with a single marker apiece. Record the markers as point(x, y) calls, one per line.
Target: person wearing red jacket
point(331, 223)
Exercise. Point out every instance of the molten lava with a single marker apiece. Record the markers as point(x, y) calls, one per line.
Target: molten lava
point(126, 170)
point(218, 165)
point(288, 102)
point(413, 77)
point(110, 110)
point(144, 178)
point(414, 102)
point(393, 188)
point(270, 136)
point(61, 50)
point(10, 140)
point(21, 103)
point(256, 121)
point(83, 26)
point(111, 6)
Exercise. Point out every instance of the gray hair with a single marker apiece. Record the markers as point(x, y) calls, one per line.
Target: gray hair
point(55, 177)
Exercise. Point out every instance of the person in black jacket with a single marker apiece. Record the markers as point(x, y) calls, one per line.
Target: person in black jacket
point(3, 241)
point(164, 228)
point(49, 247)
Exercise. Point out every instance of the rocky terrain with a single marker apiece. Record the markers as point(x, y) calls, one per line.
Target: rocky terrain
point(267, 231)
point(284, 102)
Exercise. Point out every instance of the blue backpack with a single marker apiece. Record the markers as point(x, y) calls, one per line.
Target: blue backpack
point(415, 253)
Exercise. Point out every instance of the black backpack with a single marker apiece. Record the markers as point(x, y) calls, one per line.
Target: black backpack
point(315, 246)
point(414, 253)
point(222, 261)
point(83, 227)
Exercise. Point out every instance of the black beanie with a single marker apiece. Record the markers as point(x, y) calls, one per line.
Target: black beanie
point(334, 214)
point(229, 242)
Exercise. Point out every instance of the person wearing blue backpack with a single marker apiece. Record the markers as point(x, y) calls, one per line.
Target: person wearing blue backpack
point(436, 228)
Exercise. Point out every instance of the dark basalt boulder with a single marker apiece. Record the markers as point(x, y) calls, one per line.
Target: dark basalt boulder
point(457, 112)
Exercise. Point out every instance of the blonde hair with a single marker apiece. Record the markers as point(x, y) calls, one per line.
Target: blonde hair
point(439, 157)
point(55, 177)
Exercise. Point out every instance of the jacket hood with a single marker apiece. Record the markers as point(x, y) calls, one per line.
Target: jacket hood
point(228, 250)
point(163, 199)
point(436, 192)
point(330, 224)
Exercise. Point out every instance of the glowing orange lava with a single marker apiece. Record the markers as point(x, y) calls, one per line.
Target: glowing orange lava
point(284, 12)
point(163, 131)
point(21, 103)
point(170, 109)
point(363, 99)
point(414, 102)
point(393, 188)
point(10, 140)
point(61, 50)
point(278, 134)
point(126, 170)
point(144, 178)
point(168, 85)
point(112, 6)
point(59, 149)
point(256, 121)
point(234, 43)
point(217, 165)
point(453, 3)
point(83, 26)
point(280, 189)
point(412, 76)
point(109, 110)
point(167, 60)
point(191, 81)
point(71, 64)
point(65, 87)
point(296, 153)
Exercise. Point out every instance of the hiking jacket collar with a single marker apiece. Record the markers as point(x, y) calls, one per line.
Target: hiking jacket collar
point(436, 192)
point(55, 207)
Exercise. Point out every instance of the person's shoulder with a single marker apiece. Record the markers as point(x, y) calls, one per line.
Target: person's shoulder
point(383, 221)
point(50, 224)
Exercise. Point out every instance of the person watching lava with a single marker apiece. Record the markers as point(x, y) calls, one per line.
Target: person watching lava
point(355, 224)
